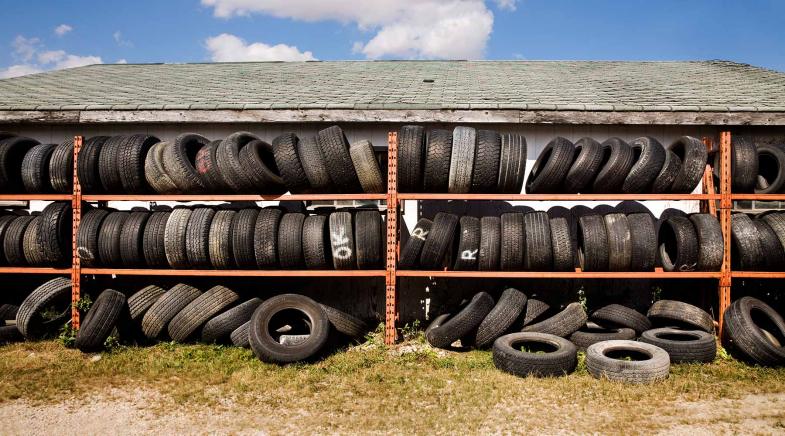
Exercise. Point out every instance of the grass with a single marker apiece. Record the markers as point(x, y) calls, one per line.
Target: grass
point(374, 388)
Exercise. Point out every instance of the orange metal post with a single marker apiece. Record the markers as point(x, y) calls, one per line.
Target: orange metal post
point(709, 206)
point(391, 312)
point(725, 221)
point(76, 266)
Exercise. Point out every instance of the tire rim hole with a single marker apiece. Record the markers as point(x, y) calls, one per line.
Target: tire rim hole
point(761, 320)
point(768, 170)
point(534, 347)
point(679, 337)
point(669, 249)
point(628, 355)
point(289, 322)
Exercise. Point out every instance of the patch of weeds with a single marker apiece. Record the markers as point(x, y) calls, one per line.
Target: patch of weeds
point(111, 343)
point(722, 354)
point(412, 331)
point(656, 294)
point(376, 337)
point(67, 336)
point(582, 299)
point(526, 349)
point(84, 303)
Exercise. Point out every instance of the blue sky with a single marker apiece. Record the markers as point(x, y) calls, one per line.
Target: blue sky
point(39, 35)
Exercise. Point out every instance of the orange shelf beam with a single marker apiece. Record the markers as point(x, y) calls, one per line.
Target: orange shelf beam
point(231, 273)
point(559, 197)
point(758, 274)
point(657, 274)
point(238, 197)
point(29, 197)
point(34, 270)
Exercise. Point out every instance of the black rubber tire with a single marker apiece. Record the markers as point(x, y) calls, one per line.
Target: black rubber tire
point(775, 255)
point(693, 155)
point(87, 236)
point(410, 254)
point(107, 310)
point(207, 168)
point(499, 320)
point(142, 300)
point(744, 164)
point(154, 240)
point(616, 315)
point(131, 160)
point(131, 237)
point(288, 162)
point(367, 168)
point(8, 313)
point(464, 145)
point(643, 240)
point(551, 167)
point(670, 170)
point(265, 238)
point(591, 334)
point(54, 236)
point(258, 163)
point(468, 244)
point(221, 326)
point(159, 315)
point(13, 243)
point(316, 243)
point(191, 318)
point(9, 334)
point(314, 165)
point(710, 244)
point(239, 336)
point(683, 346)
point(560, 359)
point(512, 245)
point(512, 164)
point(12, 152)
point(220, 239)
point(87, 164)
point(619, 242)
point(228, 160)
point(108, 159)
point(411, 157)
point(154, 171)
point(5, 222)
point(267, 349)
point(651, 370)
point(290, 241)
point(29, 320)
point(175, 237)
point(179, 160)
point(485, 174)
point(197, 237)
point(335, 149)
point(746, 249)
point(669, 313)
point(563, 324)
point(35, 169)
point(538, 251)
point(61, 167)
point(109, 239)
point(30, 248)
point(561, 241)
point(346, 324)
point(342, 243)
point(438, 152)
point(678, 244)
point(777, 223)
point(490, 244)
point(771, 169)
point(744, 322)
point(439, 241)
point(649, 157)
point(368, 239)
point(243, 227)
point(617, 161)
point(584, 169)
point(592, 243)
point(535, 309)
point(443, 331)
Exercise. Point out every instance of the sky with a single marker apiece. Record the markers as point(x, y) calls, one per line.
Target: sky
point(38, 35)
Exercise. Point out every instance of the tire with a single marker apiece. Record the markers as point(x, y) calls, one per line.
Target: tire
point(592, 243)
point(512, 245)
point(141, 301)
point(535, 309)
point(5, 222)
point(643, 240)
point(87, 236)
point(243, 226)
point(669, 313)
point(290, 241)
point(551, 167)
point(61, 167)
point(771, 169)
point(670, 170)
point(710, 244)
point(619, 242)
point(436, 174)
point(617, 163)
point(313, 163)
point(35, 169)
point(154, 171)
point(220, 239)
point(8, 313)
point(30, 248)
point(654, 368)
point(131, 160)
point(592, 334)
point(288, 162)
point(649, 157)
point(345, 323)
point(9, 334)
point(775, 256)
point(693, 156)
point(411, 146)
point(468, 244)
point(267, 349)
point(108, 159)
point(777, 223)
point(746, 248)
point(342, 242)
point(97, 325)
point(487, 157)
point(13, 243)
point(439, 241)
point(368, 239)
point(561, 241)
point(197, 237)
point(54, 236)
point(464, 144)
point(221, 326)
point(538, 252)
point(179, 160)
point(175, 237)
point(678, 244)
point(199, 311)
point(367, 167)
point(239, 336)
point(582, 172)
point(87, 164)
point(335, 149)
point(410, 254)
point(446, 330)
point(12, 153)
point(207, 167)
point(490, 244)
point(683, 346)
point(743, 332)
point(561, 357)
point(744, 164)
point(228, 160)
point(131, 237)
point(29, 318)
point(499, 320)
point(265, 238)
point(512, 164)
point(316, 243)
point(167, 307)
point(563, 324)
point(109, 239)
point(616, 316)
point(258, 163)
point(154, 240)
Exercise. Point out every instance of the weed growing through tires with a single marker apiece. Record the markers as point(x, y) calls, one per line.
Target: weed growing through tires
point(84, 303)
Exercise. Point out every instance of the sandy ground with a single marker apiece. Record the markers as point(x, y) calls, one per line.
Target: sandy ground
point(138, 412)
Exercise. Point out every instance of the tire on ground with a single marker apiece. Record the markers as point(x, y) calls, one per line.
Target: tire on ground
point(268, 349)
point(199, 311)
point(616, 315)
point(166, 307)
point(107, 310)
point(592, 333)
point(345, 323)
point(29, 317)
point(221, 326)
point(443, 331)
point(683, 345)
point(563, 324)
point(676, 313)
point(745, 320)
point(544, 356)
point(142, 300)
point(499, 320)
point(605, 360)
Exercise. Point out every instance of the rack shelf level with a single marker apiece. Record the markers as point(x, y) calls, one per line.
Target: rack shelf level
point(760, 197)
point(33, 270)
point(27, 197)
point(238, 197)
point(563, 274)
point(560, 197)
point(759, 274)
point(233, 273)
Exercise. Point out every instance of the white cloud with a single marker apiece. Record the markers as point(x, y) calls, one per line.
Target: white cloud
point(449, 29)
point(63, 29)
point(121, 61)
point(122, 42)
point(18, 70)
point(230, 48)
point(25, 48)
point(36, 60)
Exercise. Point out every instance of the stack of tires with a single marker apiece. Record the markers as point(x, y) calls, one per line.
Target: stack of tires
point(758, 168)
point(758, 241)
point(31, 167)
point(228, 238)
point(39, 239)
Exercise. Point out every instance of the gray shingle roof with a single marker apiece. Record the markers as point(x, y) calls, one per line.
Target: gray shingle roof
point(707, 86)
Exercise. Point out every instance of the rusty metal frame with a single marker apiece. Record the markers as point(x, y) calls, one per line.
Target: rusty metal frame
point(558, 197)
point(233, 273)
point(230, 197)
point(391, 283)
point(76, 264)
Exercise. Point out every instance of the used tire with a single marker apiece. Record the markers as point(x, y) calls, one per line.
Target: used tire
point(345, 323)
point(35, 169)
point(490, 244)
point(485, 174)
point(512, 164)
point(220, 239)
point(512, 245)
point(268, 349)
point(87, 236)
point(618, 159)
point(54, 236)
point(745, 319)
point(131, 237)
point(221, 326)
point(29, 319)
point(775, 256)
point(561, 240)
point(109, 238)
point(670, 170)
point(411, 146)
point(436, 174)
point(243, 227)
point(771, 169)
point(179, 160)
point(13, 243)
point(175, 237)
point(106, 311)
point(604, 360)
point(207, 167)
point(142, 300)
point(197, 237)
point(670, 312)
point(12, 151)
point(288, 163)
point(87, 164)
point(619, 242)
point(131, 160)
point(592, 334)
point(108, 159)
point(290, 241)
point(560, 357)
point(154, 239)
point(551, 167)
point(314, 165)
point(410, 254)
point(316, 243)
point(61, 167)
point(464, 144)
point(239, 336)
point(342, 241)
point(265, 238)
point(588, 158)
point(368, 239)
point(199, 311)
point(335, 149)
point(258, 163)
point(616, 315)
point(166, 307)
point(535, 309)
point(538, 251)
point(434, 249)
point(563, 324)
point(367, 167)
point(154, 171)
point(592, 243)
point(468, 244)
point(643, 240)
point(746, 249)
point(443, 331)
point(777, 223)
point(649, 157)
point(228, 160)
point(678, 244)
point(683, 345)
point(744, 164)
point(693, 155)
point(499, 320)
point(30, 248)
point(710, 245)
